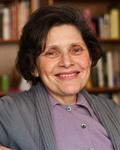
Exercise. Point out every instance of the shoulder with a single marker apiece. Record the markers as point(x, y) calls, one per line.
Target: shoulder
point(11, 99)
point(108, 104)
point(16, 112)
point(102, 102)
point(14, 104)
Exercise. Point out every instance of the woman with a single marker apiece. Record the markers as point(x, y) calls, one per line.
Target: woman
point(57, 50)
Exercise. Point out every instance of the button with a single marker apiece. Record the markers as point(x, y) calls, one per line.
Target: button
point(83, 126)
point(69, 108)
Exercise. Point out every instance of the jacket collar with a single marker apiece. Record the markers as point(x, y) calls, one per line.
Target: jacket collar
point(44, 118)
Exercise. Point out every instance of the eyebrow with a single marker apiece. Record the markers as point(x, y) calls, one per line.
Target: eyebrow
point(72, 44)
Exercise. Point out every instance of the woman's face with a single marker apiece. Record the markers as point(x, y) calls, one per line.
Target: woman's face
point(64, 66)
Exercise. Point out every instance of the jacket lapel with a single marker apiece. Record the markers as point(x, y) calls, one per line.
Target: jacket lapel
point(103, 109)
point(44, 118)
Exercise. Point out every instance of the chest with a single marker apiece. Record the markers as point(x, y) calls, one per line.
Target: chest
point(75, 128)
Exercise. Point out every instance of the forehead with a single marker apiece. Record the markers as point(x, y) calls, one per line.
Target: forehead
point(63, 33)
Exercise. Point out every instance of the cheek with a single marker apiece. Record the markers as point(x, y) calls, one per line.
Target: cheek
point(85, 62)
point(45, 67)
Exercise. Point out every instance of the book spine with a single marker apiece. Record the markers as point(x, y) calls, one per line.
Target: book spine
point(105, 75)
point(89, 83)
point(106, 25)
point(1, 24)
point(118, 68)
point(19, 20)
point(114, 23)
point(14, 22)
point(6, 23)
point(110, 69)
point(100, 73)
point(94, 76)
point(114, 71)
point(23, 15)
point(101, 27)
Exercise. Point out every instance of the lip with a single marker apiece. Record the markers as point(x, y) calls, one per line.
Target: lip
point(67, 75)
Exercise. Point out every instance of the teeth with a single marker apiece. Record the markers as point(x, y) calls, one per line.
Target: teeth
point(67, 75)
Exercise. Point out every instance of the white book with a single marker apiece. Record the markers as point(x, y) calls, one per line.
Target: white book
point(106, 25)
point(35, 4)
point(110, 69)
point(101, 27)
point(6, 23)
point(115, 97)
point(24, 85)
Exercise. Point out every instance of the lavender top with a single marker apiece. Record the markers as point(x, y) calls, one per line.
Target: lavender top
point(77, 127)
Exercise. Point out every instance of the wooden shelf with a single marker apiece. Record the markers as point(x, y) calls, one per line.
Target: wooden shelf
point(9, 41)
point(103, 89)
point(7, 0)
point(3, 93)
point(108, 40)
point(84, 1)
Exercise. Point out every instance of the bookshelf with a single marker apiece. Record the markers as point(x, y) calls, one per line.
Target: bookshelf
point(9, 47)
point(97, 90)
point(9, 41)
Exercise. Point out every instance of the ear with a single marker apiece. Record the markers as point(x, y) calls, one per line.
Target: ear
point(35, 72)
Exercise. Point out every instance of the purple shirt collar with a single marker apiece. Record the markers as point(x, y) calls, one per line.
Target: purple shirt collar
point(81, 101)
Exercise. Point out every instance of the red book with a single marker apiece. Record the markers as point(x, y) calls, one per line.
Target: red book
point(14, 22)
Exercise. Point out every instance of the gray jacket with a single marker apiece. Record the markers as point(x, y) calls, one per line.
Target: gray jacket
point(26, 121)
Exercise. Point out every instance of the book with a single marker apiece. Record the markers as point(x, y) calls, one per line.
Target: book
point(94, 76)
point(23, 15)
point(14, 22)
point(106, 25)
point(6, 23)
point(101, 26)
point(100, 72)
point(114, 23)
point(89, 83)
point(96, 26)
point(1, 20)
point(87, 15)
point(116, 98)
point(110, 68)
point(35, 4)
point(105, 74)
point(118, 68)
point(114, 68)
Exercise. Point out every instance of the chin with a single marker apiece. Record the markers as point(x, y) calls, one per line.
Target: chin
point(72, 91)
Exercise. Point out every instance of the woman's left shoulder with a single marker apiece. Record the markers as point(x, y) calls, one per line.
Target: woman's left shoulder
point(109, 103)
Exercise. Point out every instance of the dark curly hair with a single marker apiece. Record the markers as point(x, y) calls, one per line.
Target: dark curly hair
point(34, 34)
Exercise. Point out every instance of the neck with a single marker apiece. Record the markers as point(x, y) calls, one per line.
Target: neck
point(70, 100)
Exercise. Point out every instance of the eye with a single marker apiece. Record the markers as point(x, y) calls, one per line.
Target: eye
point(77, 49)
point(50, 53)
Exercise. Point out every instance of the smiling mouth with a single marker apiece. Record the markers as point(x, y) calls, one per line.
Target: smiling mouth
point(67, 75)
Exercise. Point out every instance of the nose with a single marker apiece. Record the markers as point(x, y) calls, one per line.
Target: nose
point(66, 61)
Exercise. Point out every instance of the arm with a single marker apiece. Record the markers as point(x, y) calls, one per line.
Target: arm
point(5, 119)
